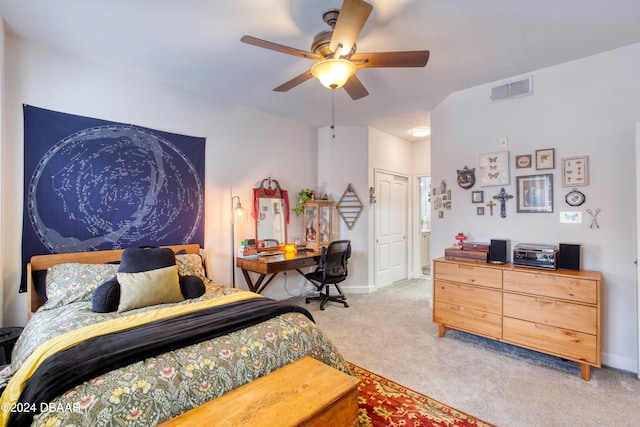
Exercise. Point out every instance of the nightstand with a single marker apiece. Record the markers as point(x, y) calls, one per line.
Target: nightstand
point(8, 337)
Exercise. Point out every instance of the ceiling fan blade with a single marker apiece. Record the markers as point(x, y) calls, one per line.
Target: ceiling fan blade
point(415, 58)
point(355, 88)
point(280, 48)
point(352, 17)
point(294, 82)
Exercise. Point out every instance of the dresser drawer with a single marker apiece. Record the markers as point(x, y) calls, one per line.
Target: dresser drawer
point(467, 273)
point(554, 286)
point(561, 342)
point(468, 296)
point(577, 317)
point(468, 319)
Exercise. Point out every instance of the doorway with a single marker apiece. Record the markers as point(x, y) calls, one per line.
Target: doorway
point(390, 218)
point(424, 225)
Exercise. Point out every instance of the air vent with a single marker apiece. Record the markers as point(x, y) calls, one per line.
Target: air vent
point(512, 90)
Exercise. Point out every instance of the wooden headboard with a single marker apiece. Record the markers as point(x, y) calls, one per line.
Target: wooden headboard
point(43, 262)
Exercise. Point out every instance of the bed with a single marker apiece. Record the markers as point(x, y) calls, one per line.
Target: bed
point(146, 364)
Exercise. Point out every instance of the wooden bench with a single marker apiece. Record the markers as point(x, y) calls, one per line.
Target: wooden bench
point(303, 393)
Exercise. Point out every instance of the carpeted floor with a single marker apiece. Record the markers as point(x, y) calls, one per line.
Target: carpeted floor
point(390, 332)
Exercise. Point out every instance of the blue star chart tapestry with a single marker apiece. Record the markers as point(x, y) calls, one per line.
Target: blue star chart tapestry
point(92, 184)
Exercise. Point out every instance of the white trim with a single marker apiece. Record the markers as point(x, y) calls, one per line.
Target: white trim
point(637, 240)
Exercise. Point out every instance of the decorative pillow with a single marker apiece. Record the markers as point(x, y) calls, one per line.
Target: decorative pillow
point(135, 260)
point(106, 297)
point(74, 282)
point(190, 265)
point(39, 279)
point(147, 288)
point(191, 287)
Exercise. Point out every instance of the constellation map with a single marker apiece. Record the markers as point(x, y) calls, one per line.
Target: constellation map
point(113, 186)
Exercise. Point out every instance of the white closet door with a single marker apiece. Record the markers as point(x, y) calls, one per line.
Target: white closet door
point(390, 228)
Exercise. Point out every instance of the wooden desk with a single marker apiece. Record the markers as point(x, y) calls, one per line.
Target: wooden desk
point(274, 264)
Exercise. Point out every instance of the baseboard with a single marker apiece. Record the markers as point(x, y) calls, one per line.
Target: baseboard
point(357, 289)
point(617, 362)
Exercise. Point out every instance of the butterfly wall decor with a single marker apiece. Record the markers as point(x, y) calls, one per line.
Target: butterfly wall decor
point(494, 168)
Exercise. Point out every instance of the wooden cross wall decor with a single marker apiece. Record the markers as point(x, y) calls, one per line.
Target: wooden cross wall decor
point(502, 196)
point(491, 204)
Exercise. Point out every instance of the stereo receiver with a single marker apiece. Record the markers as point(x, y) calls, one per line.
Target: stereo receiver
point(535, 256)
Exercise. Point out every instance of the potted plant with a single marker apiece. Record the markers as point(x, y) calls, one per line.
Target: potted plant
point(304, 196)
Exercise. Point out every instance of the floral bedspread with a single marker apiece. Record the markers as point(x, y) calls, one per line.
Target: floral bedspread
point(158, 388)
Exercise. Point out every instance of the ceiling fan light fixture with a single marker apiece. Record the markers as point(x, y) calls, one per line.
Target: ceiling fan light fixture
point(333, 73)
point(421, 132)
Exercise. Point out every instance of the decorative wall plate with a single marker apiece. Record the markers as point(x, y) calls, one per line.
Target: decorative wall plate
point(574, 198)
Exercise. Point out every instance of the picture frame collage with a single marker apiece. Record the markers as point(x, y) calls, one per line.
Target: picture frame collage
point(535, 191)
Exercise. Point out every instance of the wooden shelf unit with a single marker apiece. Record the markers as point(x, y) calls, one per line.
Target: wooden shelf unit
point(551, 311)
point(318, 223)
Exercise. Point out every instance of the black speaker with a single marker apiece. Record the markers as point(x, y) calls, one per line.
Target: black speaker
point(569, 257)
point(498, 252)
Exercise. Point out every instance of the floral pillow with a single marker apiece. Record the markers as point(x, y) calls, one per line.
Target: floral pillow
point(74, 282)
point(190, 265)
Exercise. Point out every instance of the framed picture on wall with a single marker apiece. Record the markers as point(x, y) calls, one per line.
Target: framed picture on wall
point(545, 159)
point(575, 171)
point(523, 161)
point(534, 193)
point(477, 196)
point(494, 168)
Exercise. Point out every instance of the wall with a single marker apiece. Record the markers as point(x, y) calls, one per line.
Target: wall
point(585, 107)
point(420, 166)
point(2, 139)
point(243, 147)
point(421, 157)
point(352, 157)
point(390, 154)
point(342, 161)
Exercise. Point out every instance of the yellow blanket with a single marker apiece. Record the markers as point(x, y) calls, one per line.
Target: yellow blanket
point(62, 342)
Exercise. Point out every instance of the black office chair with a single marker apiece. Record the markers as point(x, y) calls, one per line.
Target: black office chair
point(331, 270)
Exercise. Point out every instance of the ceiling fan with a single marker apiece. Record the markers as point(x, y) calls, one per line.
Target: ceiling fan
point(334, 52)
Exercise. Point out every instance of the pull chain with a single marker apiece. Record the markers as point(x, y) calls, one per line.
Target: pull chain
point(333, 114)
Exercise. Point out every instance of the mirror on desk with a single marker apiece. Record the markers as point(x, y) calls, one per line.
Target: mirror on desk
point(272, 214)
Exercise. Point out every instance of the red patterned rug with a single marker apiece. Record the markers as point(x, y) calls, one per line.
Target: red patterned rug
point(383, 402)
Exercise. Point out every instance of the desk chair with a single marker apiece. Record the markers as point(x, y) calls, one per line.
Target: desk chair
point(331, 270)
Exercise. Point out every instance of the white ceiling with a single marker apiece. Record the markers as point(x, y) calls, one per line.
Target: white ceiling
point(195, 45)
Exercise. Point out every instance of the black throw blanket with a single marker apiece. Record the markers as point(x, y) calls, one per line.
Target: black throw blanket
point(102, 354)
